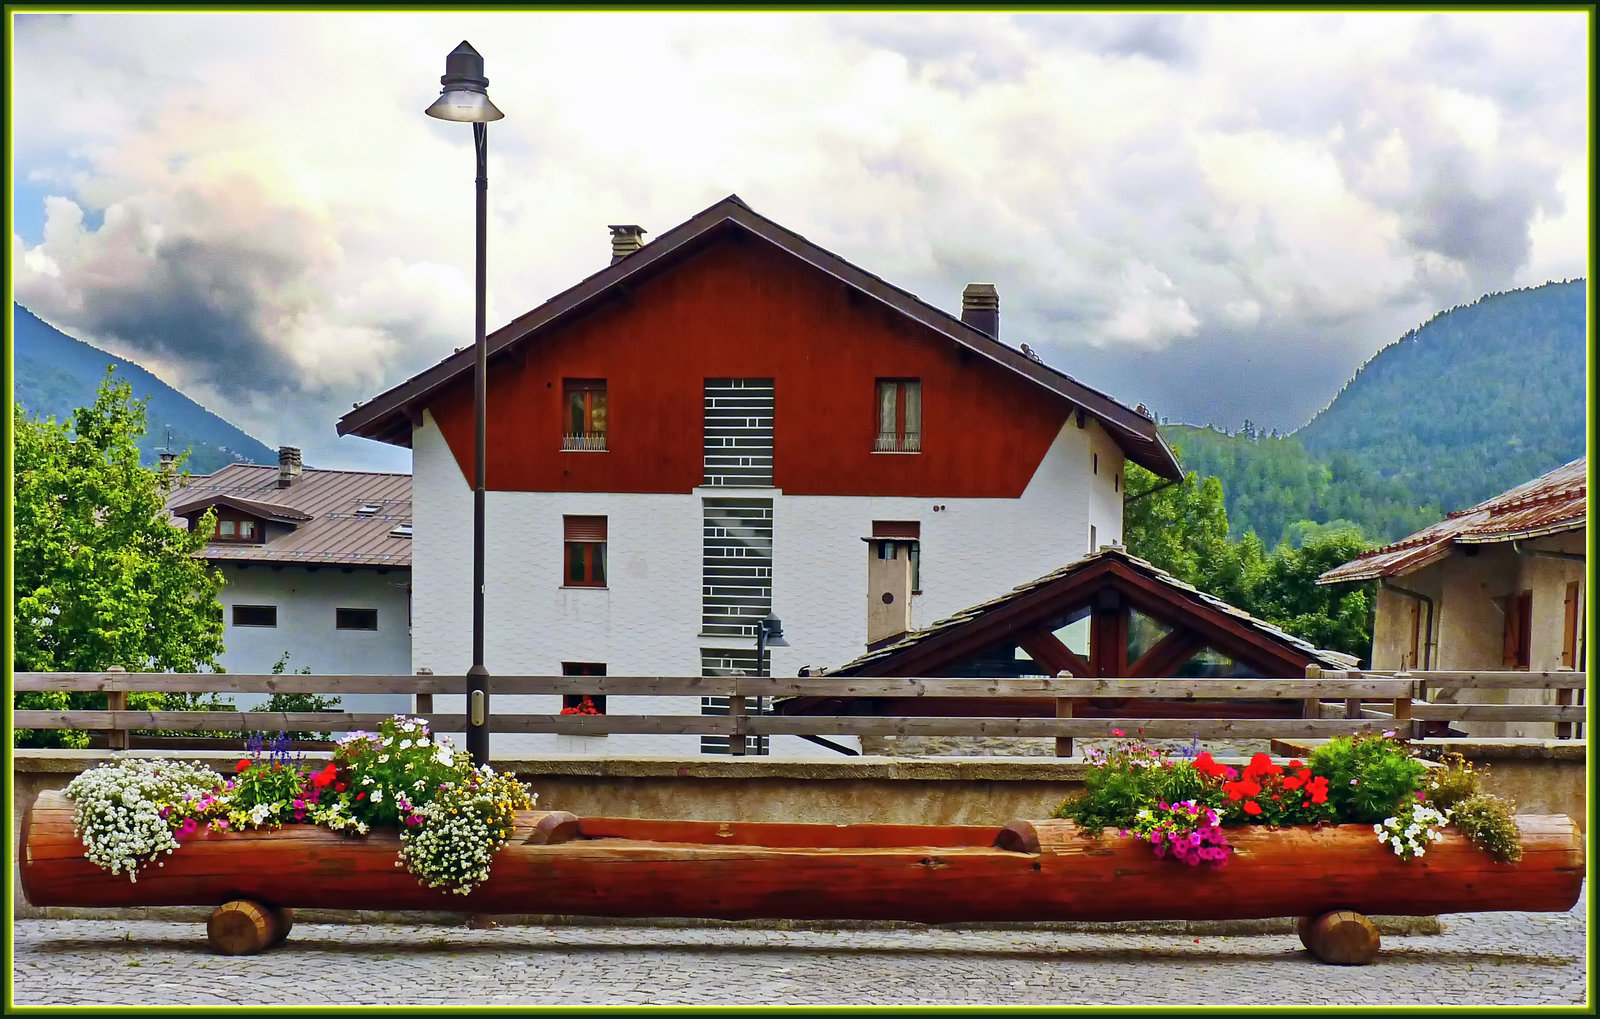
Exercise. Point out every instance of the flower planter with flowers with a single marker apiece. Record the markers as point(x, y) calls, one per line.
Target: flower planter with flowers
point(398, 820)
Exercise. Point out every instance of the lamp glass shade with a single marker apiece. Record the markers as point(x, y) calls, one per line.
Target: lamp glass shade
point(464, 106)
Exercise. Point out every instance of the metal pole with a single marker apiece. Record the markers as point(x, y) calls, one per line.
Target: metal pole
point(478, 675)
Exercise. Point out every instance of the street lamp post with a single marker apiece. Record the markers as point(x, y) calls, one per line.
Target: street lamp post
point(465, 99)
point(769, 633)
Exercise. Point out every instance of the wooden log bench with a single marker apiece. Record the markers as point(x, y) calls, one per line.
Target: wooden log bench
point(556, 863)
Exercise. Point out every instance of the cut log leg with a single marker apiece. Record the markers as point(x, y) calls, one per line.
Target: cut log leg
point(1341, 937)
point(240, 927)
point(282, 923)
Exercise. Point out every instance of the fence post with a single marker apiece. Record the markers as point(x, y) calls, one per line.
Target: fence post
point(424, 700)
point(1311, 707)
point(736, 743)
point(1063, 710)
point(1564, 698)
point(1404, 727)
point(117, 700)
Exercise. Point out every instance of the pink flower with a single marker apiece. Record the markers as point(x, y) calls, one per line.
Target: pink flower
point(1118, 732)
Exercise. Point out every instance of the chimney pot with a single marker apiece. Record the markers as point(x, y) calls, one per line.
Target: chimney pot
point(288, 465)
point(625, 240)
point(980, 308)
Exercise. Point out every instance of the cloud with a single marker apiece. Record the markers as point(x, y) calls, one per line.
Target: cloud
point(253, 205)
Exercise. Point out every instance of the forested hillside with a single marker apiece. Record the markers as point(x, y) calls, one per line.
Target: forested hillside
point(54, 374)
point(1479, 399)
point(1476, 401)
point(1274, 487)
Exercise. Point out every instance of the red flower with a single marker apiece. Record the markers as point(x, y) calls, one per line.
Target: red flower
point(1295, 764)
point(241, 767)
point(1207, 765)
point(339, 787)
point(1252, 808)
point(361, 795)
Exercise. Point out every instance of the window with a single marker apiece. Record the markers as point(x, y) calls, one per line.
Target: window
point(907, 533)
point(1093, 539)
point(1518, 649)
point(355, 619)
point(585, 558)
point(255, 615)
point(583, 424)
point(579, 703)
point(234, 530)
point(899, 416)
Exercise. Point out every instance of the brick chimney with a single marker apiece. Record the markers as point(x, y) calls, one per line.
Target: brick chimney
point(980, 308)
point(288, 465)
point(625, 240)
point(169, 470)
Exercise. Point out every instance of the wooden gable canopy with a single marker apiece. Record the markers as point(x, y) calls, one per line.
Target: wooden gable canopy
point(1106, 588)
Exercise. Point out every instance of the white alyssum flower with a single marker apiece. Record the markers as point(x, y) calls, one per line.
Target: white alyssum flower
point(117, 809)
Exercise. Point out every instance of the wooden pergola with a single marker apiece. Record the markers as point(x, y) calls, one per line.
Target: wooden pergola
point(1108, 587)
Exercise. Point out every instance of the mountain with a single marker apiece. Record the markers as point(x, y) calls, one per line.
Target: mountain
point(55, 374)
point(1473, 402)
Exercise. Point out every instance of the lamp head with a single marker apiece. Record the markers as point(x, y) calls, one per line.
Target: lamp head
point(772, 626)
point(465, 96)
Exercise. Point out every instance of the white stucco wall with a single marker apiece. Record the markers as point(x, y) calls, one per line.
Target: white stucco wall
point(647, 621)
point(1468, 593)
point(306, 601)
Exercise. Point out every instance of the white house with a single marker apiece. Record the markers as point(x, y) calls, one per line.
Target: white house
point(316, 564)
point(729, 422)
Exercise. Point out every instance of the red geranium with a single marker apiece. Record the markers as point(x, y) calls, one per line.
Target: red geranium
point(241, 766)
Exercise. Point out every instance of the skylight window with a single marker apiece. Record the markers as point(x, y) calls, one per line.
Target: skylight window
point(401, 531)
point(367, 510)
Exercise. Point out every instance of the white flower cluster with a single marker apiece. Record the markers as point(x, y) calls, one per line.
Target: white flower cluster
point(117, 809)
point(1409, 832)
point(336, 818)
point(451, 848)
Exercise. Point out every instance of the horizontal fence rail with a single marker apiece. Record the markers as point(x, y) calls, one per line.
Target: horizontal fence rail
point(1367, 702)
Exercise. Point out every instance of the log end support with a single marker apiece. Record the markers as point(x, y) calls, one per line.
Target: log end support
point(1341, 937)
point(241, 927)
point(1018, 837)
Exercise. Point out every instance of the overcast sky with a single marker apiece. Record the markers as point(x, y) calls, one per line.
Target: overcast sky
point(1218, 215)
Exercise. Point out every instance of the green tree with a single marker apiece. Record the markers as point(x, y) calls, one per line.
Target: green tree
point(1183, 528)
point(100, 577)
point(1335, 617)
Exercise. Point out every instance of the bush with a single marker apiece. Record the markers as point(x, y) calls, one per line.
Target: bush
point(1368, 776)
point(1486, 820)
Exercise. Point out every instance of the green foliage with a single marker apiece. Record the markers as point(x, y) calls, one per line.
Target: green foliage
point(1458, 780)
point(99, 576)
point(1487, 821)
point(1368, 776)
point(1184, 530)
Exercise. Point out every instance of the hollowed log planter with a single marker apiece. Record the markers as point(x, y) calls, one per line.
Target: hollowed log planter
point(556, 863)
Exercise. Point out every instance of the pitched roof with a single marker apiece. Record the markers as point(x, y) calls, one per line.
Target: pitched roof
point(322, 505)
point(387, 417)
point(1115, 554)
point(1549, 504)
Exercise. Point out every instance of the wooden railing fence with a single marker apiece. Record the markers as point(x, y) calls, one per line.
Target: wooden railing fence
point(1333, 703)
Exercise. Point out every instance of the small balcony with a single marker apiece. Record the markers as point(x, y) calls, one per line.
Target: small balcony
point(584, 441)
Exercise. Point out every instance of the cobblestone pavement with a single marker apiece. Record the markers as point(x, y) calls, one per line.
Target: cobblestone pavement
point(1478, 959)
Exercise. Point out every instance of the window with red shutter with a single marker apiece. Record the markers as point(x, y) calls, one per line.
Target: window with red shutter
point(584, 558)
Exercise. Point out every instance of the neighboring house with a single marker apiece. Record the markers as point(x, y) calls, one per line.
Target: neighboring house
point(1108, 614)
point(728, 422)
point(1499, 586)
point(316, 563)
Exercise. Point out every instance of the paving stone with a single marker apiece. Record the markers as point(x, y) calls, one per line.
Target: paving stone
point(1476, 959)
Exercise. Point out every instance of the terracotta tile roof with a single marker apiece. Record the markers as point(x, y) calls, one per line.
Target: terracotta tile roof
point(1549, 504)
point(386, 417)
point(1329, 659)
point(325, 504)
